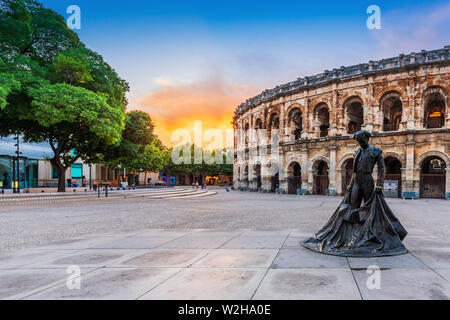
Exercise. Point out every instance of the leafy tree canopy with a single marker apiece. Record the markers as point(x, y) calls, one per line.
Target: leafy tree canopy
point(55, 89)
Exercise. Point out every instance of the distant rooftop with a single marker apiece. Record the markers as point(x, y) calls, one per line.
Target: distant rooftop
point(37, 151)
point(347, 72)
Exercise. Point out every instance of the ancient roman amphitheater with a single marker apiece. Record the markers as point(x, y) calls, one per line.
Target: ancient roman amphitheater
point(308, 125)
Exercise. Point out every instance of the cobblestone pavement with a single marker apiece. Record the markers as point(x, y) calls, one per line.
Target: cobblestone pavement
point(227, 246)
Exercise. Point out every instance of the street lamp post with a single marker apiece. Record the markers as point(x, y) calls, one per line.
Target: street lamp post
point(90, 177)
point(16, 187)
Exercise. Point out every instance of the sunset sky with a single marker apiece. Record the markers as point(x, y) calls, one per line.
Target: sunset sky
point(198, 60)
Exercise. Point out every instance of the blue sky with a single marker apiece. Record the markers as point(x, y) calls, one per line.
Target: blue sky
point(215, 54)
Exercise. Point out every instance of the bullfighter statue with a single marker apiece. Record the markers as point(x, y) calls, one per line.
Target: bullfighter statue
point(363, 225)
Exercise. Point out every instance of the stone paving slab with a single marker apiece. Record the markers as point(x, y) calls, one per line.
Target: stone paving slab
point(110, 284)
point(405, 284)
point(20, 283)
point(294, 241)
point(303, 284)
point(201, 240)
point(445, 273)
point(168, 258)
point(258, 240)
point(26, 257)
point(407, 261)
point(434, 257)
point(136, 242)
point(89, 258)
point(425, 242)
point(238, 258)
point(219, 265)
point(306, 259)
point(209, 284)
point(80, 243)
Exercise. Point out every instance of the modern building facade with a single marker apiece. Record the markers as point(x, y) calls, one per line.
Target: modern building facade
point(307, 143)
point(36, 171)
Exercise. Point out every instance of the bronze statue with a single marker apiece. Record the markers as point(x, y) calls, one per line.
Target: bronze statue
point(357, 228)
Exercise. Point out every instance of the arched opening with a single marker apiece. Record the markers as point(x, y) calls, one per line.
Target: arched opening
point(355, 115)
point(238, 177)
point(392, 108)
point(321, 180)
point(273, 171)
point(257, 173)
point(295, 122)
point(294, 177)
point(322, 117)
point(347, 172)
point(394, 172)
point(275, 182)
point(247, 138)
point(432, 178)
point(434, 109)
point(274, 125)
point(246, 182)
point(258, 124)
point(258, 127)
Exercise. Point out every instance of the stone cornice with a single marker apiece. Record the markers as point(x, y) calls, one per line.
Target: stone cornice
point(373, 67)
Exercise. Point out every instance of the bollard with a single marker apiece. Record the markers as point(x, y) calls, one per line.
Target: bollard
point(107, 191)
point(98, 189)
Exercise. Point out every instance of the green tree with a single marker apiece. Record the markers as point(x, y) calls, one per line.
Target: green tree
point(55, 89)
point(187, 161)
point(139, 149)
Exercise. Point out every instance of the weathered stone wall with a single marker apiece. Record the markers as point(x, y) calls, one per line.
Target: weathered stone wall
point(418, 85)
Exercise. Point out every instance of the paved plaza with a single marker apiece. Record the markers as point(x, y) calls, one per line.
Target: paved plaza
point(226, 246)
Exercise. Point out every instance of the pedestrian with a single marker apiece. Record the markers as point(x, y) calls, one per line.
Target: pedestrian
point(196, 185)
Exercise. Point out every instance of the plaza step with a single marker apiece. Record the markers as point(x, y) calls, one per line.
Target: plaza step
point(93, 196)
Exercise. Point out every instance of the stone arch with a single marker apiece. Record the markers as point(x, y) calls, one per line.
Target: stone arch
point(273, 173)
point(354, 114)
point(352, 94)
point(274, 120)
point(246, 172)
point(344, 158)
point(294, 176)
point(273, 125)
point(257, 174)
point(295, 121)
point(433, 83)
point(295, 105)
point(432, 153)
point(434, 177)
point(394, 170)
point(391, 107)
point(434, 105)
point(259, 123)
point(317, 159)
point(396, 155)
point(342, 171)
point(321, 115)
point(400, 90)
point(320, 173)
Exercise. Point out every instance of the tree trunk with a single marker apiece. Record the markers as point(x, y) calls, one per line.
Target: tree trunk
point(61, 170)
point(62, 180)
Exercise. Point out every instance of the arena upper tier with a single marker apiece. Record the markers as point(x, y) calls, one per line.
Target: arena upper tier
point(403, 101)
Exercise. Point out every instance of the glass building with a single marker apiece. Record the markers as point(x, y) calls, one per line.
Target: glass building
point(31, 154)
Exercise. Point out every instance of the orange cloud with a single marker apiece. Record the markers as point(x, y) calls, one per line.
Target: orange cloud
point(177, 106)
